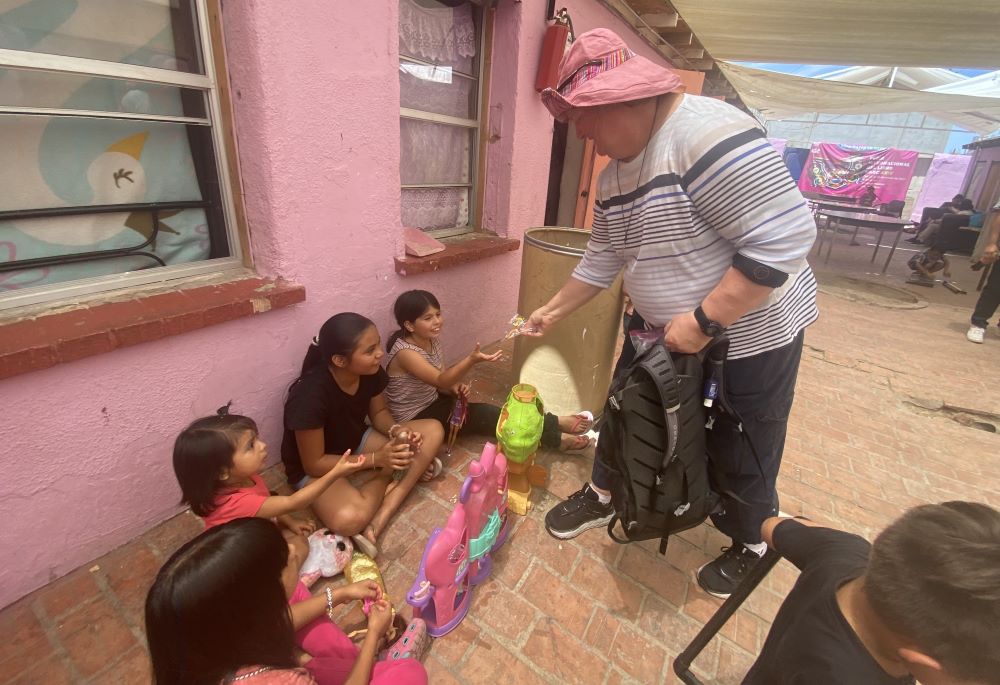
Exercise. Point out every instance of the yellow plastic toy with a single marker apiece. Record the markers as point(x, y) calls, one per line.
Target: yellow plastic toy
point(519, 431)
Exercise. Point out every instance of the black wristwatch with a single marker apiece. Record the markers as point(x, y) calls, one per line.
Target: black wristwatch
point(712, 329)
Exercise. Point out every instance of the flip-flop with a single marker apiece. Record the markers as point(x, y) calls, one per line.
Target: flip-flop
point(584, 421)
point(364, 545)
point(580, 443)
point(436, 468)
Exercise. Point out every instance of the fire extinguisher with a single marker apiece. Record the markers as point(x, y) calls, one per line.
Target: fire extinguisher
point(557, 37)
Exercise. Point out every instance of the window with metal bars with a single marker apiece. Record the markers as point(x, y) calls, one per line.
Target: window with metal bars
point(440, 91)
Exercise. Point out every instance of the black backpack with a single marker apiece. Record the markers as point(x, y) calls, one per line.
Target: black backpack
point(653, 439)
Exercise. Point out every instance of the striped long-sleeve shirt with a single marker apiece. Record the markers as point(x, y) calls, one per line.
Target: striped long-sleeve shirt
point(711, 186)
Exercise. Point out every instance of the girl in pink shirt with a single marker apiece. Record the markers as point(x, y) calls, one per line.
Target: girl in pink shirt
point(218, 613)
point(217, 460)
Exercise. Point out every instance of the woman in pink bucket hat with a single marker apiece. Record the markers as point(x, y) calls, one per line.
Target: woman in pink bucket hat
point(699, 213)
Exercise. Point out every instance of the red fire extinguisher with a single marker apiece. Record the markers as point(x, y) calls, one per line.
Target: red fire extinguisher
point(557, 37)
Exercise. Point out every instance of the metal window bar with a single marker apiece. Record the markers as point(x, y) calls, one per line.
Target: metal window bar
point(153, 208)
point(682, 664)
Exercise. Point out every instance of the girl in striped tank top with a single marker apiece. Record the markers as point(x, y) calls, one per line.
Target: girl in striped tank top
point(420, 387)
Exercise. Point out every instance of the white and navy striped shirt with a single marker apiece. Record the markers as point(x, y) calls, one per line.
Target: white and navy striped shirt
point(711, 186)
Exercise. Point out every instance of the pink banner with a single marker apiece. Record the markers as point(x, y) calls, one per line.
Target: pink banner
point(847, 171)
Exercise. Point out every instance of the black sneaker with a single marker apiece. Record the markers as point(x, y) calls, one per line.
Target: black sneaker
point(720, 577)
point(582, 511)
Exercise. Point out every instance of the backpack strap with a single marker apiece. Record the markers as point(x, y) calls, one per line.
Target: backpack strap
point(658, 364)
point(715, 354)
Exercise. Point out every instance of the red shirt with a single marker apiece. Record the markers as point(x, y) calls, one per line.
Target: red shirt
point(237, 503)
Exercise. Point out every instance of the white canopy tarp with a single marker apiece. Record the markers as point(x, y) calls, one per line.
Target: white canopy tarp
point(912, 33)
point(780, 96)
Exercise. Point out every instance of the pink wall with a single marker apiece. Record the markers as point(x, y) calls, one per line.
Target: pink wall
point(86, 463)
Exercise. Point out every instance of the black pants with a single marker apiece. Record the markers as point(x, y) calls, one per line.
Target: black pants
point(760, 389)
point(482, 419)
point(989, 299)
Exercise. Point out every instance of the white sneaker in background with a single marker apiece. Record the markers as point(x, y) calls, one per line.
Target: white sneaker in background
point(975, 334)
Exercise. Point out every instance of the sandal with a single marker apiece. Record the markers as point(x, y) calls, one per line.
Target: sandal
point(583, 422)
point(436, 468)
point(364, 545)
point(578, 443)
point(412, 645)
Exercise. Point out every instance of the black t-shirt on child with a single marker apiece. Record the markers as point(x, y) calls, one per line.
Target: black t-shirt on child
point(810, 642)
point(316, 401)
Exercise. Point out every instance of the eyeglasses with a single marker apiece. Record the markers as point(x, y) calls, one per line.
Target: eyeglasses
point(592, 68)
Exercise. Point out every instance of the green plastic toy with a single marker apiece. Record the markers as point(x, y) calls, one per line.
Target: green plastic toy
point(519, 429)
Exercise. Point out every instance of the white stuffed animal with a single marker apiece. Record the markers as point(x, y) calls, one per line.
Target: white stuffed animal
point(328, 555)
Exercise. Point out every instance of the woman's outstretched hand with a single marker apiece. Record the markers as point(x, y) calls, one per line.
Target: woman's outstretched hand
point(538, 323)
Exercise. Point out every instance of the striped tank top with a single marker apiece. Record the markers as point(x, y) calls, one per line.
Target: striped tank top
point(406, 395)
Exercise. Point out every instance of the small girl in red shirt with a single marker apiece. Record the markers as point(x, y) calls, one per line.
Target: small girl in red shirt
point(216, 461)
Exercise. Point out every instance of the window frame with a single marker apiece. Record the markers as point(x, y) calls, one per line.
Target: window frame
point(477, 166)
point(218, 117)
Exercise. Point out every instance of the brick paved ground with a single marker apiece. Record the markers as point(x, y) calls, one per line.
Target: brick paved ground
point(590, 611)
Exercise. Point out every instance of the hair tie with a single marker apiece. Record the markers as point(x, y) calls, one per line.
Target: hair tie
point(315, 341)
point(224, 411)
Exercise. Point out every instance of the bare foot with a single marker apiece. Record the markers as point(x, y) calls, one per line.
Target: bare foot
point(370, 534)
point(577, 424)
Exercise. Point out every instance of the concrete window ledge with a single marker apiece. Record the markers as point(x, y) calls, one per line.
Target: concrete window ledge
point(460, 250)
point(43, 339)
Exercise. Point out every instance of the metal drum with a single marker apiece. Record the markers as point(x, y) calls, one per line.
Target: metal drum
point(571, 366)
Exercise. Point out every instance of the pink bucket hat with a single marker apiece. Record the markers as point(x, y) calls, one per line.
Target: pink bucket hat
point(600, 69)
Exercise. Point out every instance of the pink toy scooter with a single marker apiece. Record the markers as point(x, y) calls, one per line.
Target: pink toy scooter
point(441, 593)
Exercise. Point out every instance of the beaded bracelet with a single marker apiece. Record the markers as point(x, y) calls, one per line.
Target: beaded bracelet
point(329, 604)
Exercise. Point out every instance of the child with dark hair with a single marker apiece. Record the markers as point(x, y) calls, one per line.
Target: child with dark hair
point(420, 387)
point(925, 264)
point(217, 460)
point(922, 602)
point(218, 613)
point(869, 197)
point(338, 404)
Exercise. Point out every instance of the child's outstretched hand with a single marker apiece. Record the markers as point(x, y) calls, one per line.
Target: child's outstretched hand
point(379, 618)
point(478, 356)
point(348, 464)
point(361, 590)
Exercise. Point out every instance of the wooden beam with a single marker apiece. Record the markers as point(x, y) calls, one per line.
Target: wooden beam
point(659, 20)
point(692, 53)
point(678, 40)
point(701, 64)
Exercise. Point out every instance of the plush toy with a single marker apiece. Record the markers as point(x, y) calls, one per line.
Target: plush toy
point(329, 554)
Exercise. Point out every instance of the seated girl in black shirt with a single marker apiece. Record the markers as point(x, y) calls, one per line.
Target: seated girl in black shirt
point(341, 386)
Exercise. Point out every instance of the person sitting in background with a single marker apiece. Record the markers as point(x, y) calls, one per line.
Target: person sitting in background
point(922, 602)
point(925, 264)
point(869, 198)
point(931, 213)
point(924, 237)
